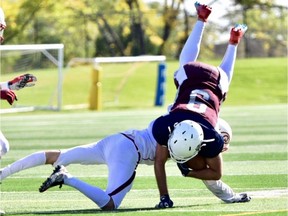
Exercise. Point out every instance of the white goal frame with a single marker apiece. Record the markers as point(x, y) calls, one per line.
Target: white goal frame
point(43, 48)
point(161, 59)
point(121, 59)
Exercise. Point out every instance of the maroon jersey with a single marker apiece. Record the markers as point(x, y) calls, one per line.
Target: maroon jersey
point(199, 91)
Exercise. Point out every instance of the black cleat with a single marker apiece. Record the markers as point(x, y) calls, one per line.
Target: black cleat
point(55, 179)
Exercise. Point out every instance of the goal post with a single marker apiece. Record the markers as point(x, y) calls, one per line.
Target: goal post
point(29, 56)
point(96, 92)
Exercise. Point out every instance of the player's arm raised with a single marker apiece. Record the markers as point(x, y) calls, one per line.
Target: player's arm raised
point(19, 82)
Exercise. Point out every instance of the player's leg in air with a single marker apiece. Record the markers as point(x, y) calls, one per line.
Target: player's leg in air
point(228, 61)
point(191, 48)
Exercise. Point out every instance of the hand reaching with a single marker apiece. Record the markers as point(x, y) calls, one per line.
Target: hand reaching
point(26, 80)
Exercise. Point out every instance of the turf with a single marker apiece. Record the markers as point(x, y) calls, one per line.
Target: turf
point(255, 163)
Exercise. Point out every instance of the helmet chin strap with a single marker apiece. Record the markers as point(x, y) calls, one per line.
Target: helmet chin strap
point(204, 143)
point(169, 128)
point(170, 131)
point(208, 140)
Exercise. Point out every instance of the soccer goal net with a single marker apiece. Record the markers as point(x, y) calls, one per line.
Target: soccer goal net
point(45, 61)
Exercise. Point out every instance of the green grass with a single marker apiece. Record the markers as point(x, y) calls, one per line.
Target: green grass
point(133, 86)
point(256, 163)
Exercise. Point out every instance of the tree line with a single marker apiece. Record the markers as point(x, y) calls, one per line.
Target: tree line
point(93, 28)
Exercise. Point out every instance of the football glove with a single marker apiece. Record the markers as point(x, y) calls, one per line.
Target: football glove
point(8, 95)
point(26, 80)
point(165, 202)
point(184, 169)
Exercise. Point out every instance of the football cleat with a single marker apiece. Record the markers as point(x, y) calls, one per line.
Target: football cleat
point(55, 179)
point(237, 33)
point(239, 198)
point(203, 11)
point(2, 212)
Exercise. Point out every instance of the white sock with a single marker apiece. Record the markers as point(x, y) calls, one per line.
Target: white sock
point(220, 189)
point(191, 48)
point(33, 160)
point(228, 61)
point(97, 195)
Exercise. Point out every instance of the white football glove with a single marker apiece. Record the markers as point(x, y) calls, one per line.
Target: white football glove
point(26, 80)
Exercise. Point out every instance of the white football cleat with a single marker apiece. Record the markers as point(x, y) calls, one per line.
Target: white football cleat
point(239, 198)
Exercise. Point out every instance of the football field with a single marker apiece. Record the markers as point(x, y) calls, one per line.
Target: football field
point(256, 163)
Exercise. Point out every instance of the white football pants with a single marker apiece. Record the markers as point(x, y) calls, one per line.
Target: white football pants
point(118, 153)
point(4, 145)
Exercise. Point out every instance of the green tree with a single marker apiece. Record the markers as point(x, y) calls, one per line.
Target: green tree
point(90, 28)
point(267, 24)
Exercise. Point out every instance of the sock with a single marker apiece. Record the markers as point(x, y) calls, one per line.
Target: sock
point(97, 195)
point(220, 189)
point(191, 48)
point(228, 61)
point(33, 160)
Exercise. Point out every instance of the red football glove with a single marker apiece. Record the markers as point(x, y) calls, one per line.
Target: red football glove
point(26, 80)
point(8, 95)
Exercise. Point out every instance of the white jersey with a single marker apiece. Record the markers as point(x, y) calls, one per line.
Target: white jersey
point(145, 142)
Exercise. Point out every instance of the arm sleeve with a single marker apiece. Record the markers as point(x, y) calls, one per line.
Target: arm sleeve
point(4, 85)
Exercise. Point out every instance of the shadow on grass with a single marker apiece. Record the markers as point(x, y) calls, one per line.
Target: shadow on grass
point(98, 211)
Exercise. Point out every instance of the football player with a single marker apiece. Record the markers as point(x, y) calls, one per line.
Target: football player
point(6, 90)
point(187, 133)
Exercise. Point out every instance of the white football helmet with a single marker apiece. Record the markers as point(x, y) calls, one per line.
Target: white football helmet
point(2, 25)
point(185, 141)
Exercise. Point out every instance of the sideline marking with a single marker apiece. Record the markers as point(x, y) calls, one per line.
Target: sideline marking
point(258, 212)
